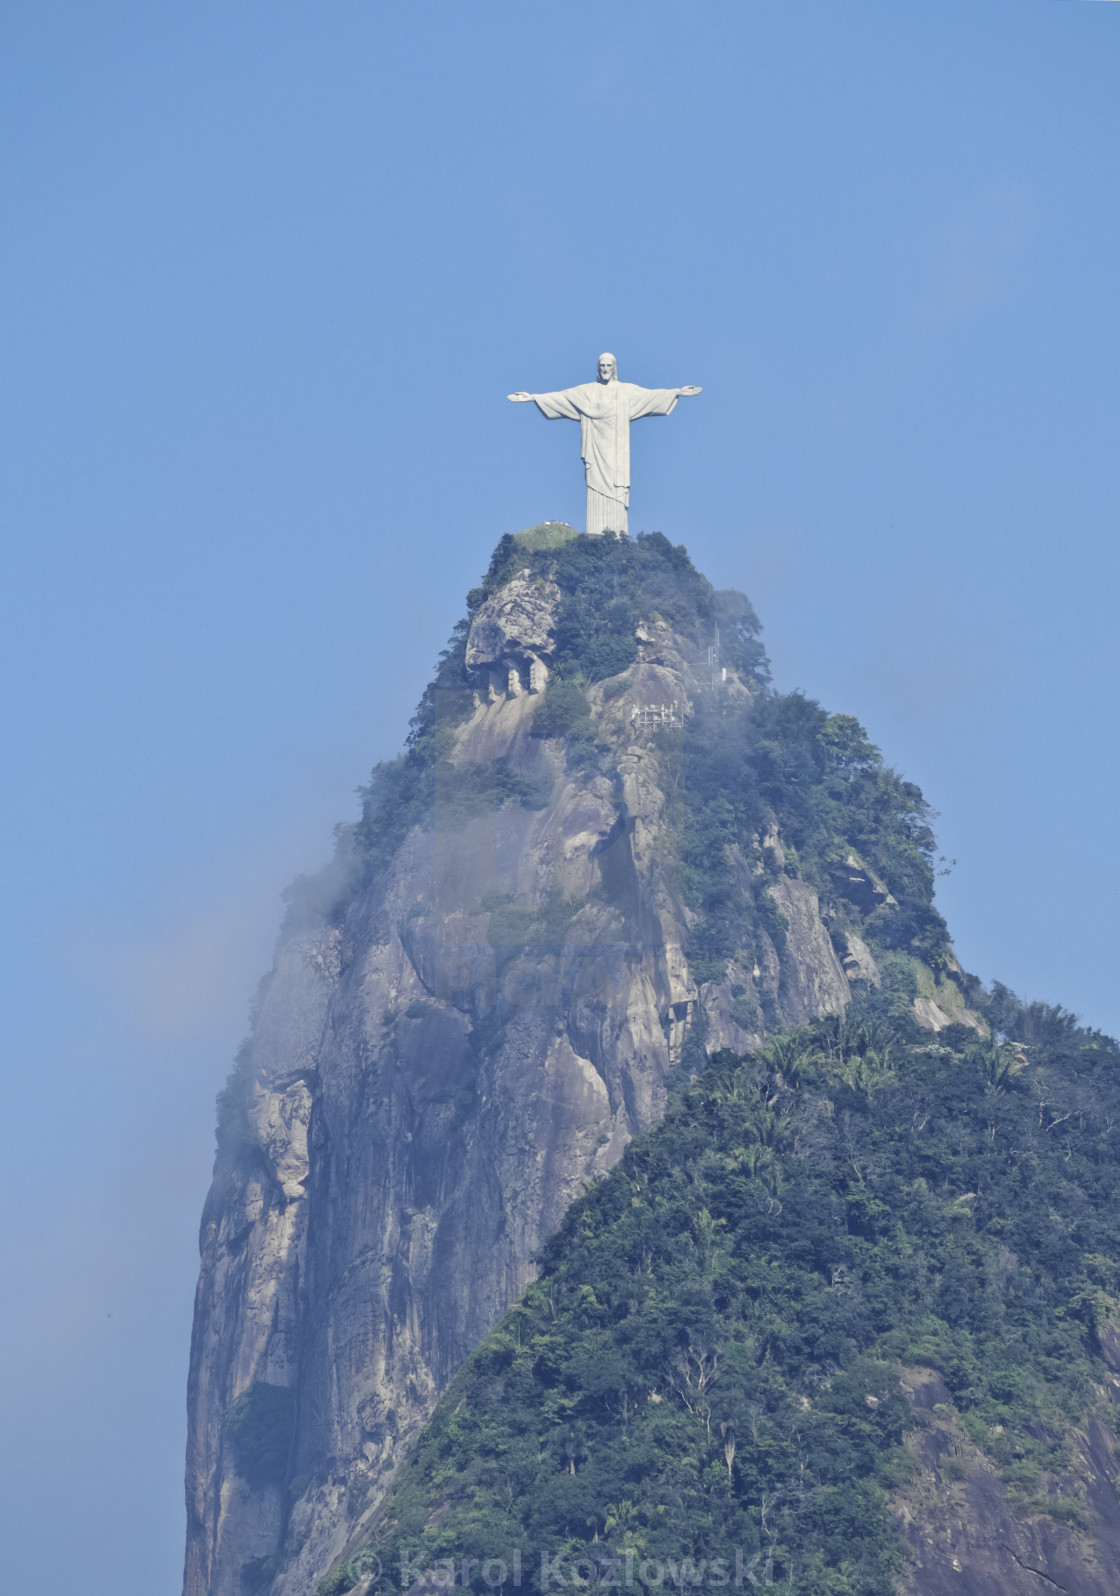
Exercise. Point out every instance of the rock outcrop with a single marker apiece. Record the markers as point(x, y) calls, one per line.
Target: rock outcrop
point(511, 635)
point(967, 1538)
point(452, 1042)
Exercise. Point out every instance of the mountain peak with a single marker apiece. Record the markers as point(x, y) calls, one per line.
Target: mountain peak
point(610, 852)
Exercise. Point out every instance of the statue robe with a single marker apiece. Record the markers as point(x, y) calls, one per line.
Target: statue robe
point(604, 411)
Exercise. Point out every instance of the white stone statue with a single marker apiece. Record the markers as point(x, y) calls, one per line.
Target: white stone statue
point(604, 410)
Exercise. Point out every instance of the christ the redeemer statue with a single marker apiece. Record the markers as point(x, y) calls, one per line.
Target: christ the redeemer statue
point(604, 410)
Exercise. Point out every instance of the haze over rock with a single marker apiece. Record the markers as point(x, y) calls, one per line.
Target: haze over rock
point(609, 852)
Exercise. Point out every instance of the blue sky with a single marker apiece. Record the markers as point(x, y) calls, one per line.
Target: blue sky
point(267, 273)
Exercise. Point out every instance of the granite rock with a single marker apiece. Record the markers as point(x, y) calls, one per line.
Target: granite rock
point(447, 1050)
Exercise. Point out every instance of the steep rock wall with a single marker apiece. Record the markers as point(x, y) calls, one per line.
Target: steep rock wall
point(447, 1050)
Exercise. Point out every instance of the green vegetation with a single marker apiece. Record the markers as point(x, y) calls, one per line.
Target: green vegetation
point(425, 788)
point(258, 1428)
point(609, 587)
point(783, 765)
point(562, 710)
point(545, 535)
point(739, 771)
point(710, 1359)
point(616, 688)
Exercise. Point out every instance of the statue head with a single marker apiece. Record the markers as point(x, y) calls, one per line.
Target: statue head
point(608, 368)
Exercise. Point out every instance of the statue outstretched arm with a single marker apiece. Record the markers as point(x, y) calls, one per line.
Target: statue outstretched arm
point(554, 406)
point(656, 401)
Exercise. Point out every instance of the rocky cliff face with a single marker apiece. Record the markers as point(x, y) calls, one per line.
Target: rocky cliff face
point(967, 1538)
point(459, 1032)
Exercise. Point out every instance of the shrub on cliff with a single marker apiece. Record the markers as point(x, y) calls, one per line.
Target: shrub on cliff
point(563, 708)
point(609, 586)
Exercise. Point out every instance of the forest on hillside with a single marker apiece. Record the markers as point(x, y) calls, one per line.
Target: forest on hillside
point(713, 1359)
